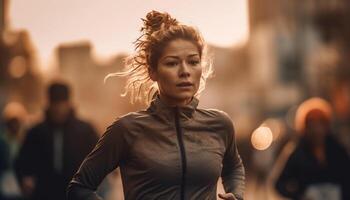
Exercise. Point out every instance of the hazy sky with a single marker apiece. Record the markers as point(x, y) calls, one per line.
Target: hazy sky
point(112, 25)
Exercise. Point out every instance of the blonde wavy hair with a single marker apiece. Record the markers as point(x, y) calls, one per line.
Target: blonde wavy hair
point(157, 31)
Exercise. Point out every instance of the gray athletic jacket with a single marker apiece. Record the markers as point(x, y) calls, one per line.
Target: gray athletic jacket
point(165, 152)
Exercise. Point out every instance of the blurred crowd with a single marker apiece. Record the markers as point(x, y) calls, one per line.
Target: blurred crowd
point(38, 162)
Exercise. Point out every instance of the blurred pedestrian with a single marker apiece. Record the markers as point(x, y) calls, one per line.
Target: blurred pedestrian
point(53, 149)
point(318, 167)
point(14, 117)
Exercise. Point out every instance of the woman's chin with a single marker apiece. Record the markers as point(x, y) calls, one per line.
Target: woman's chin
point(184, 96)
point(179, 97)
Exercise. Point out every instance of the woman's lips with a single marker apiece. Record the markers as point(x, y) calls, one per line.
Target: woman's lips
point(184, 84)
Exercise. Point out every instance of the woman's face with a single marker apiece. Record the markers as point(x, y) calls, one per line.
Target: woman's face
point(178, 72)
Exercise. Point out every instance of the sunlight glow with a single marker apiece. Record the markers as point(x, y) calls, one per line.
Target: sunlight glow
point(112, 25)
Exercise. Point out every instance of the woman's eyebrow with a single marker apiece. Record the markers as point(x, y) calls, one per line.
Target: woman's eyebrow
point(177, 57)
point(170, 56)
point(192, 55)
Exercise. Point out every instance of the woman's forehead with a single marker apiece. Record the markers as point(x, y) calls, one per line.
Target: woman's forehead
point(180, 47)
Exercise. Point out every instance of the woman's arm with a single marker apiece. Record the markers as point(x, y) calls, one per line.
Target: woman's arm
point(233, 173)
point(104, 158)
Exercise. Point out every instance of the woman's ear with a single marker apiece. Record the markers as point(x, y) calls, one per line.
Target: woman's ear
point(153, 74)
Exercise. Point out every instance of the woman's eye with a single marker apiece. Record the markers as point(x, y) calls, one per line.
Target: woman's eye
point(193, 62)
point(171, 63)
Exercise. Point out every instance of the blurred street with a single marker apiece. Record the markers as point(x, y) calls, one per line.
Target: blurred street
point(293, 51)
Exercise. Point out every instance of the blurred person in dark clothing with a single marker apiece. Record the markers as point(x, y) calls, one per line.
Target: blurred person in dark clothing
point(341, 100)
point(54, 148)
point(318, 167)
point(14, 115)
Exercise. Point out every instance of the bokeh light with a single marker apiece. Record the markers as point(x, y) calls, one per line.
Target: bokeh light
point(14, 110)
point(262, 138)
point(276, 126)
point(17, 67)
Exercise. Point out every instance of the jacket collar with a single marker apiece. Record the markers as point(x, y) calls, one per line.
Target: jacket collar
point(168, 112)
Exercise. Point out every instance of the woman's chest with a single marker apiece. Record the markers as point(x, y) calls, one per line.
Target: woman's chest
point(166, 153)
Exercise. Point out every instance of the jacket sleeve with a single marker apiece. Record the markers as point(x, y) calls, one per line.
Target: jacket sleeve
point(233, 173)
point(104, 158)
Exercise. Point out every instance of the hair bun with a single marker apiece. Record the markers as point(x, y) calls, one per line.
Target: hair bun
point(156, 20)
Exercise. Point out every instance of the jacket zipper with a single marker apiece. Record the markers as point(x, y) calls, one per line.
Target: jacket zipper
point(179, 134)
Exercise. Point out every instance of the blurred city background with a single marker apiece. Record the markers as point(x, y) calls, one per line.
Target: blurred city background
point(281, 53)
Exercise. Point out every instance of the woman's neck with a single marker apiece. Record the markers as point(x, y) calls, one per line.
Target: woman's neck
point(174, 102)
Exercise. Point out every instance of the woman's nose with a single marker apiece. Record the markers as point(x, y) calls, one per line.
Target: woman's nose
point(184, 70)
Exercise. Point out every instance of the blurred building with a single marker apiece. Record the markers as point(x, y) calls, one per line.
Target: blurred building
point(19, 76)
point(299, 46)
point(93, 98)
point(3, 16)
point(297, 50)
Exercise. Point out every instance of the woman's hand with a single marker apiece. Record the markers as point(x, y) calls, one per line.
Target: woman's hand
point(227, 196)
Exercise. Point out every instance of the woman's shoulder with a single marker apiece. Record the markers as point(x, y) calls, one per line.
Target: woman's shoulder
point(217, 115)
point(127, 119)
point(214, 113)
point(120, 126)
